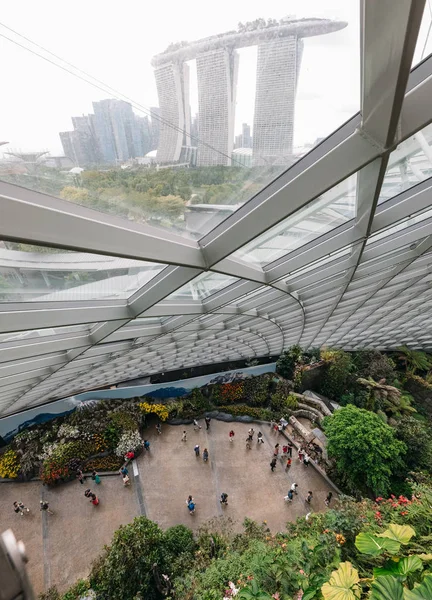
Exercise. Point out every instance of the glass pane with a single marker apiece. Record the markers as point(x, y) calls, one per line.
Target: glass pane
point(47, 332)
point(335, 207)
point(424, 40)
point(203, 286)
point(409, 164)
point(29, 272)
point(195, 128)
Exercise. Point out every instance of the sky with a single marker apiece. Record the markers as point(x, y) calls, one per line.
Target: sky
point(115, 42)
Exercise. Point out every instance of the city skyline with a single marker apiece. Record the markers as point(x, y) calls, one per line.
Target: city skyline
point(34, 119)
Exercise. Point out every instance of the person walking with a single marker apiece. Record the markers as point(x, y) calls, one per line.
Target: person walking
point(44, 506)
point(276, 450)
point(80, 476)
point(124, 471)
point(231, 435)
point(20, 508)
point(96, 478)
point(273, 464)
point(190, 503)
point(224, 499)
point(306, 460)
point(328, 499)
point(290, 496)
point(272, 424)
point(300, 455)
point(285, 450)
point(159, 428)
point(260, 439)
point(88, 493)
point(146, 445)
point(184, 436)
point(290, 448)
point(126, 480)
point(293, 488)
point(309, 497)
point(197, 450)
point(196, 425)
point(280, 428)
point(288, 463)
point(207, 422)
point(251, 433)
point(94, 499)
point(205, 455)
point(248, 442)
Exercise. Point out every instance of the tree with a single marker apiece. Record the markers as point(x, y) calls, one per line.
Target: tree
point(414, 360)
point(365, 449)
point(417, 438)
point(125, 569)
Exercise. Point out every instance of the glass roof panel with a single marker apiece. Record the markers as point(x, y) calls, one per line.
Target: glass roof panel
point(424, 41)
point(408, 165)
point(36, 273)
point(199, 132)
point(203, 286)
point(43, 333)
point(335, 207)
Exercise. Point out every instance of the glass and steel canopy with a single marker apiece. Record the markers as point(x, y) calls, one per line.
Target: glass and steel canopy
point(336, 251)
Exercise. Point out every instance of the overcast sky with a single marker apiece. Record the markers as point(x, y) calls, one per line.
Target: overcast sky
point(115, 41)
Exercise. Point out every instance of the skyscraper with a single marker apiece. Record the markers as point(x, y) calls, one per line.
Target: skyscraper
point(279, 56)
point(172, 82)
point(155, 127)
point(112, 134)
point(278, 66)
point(217, 82)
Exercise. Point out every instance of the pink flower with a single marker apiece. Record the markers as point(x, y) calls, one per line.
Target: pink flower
point(301, 572)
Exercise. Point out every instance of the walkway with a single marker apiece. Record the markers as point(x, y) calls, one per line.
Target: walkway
point(62, 546)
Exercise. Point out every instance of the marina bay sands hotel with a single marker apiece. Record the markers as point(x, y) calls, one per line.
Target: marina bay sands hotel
point(278, 64)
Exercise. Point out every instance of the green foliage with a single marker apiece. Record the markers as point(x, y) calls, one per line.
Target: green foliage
point(337, 371)
point(286, 363)
point(238, 410)
point(283, 404)
point(123, 420)
point(256, 390)
point(375, 364)
point(414, 360)
point(417, 438)
point(77, 591)
point(126, 566)
point(364, 448)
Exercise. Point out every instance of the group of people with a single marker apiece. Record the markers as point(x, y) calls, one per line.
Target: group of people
point(190, 502)
point(21, 509)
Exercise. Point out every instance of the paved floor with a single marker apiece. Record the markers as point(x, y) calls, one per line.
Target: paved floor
point(62, 546)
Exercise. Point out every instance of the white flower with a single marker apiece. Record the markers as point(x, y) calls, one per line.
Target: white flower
point(68, 431)
point(130, 440)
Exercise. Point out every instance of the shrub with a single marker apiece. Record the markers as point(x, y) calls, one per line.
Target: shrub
point(123, 420)
point(232, 392)
point(238, 410)
point(9, 465)
point(336, 374)
point(287, 362)
point(130, 440)
point(255, 390)
point(161, 410)
point(104, 463)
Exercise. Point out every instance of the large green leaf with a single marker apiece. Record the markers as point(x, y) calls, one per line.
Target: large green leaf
point(425, 557)
point(343, 584)
point(400, 533)
point(374, 545)
point(387, 588)
point(421, 592)
point(402, 567)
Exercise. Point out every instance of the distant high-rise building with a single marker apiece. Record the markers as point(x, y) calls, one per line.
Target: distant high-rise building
point(155, 126)
point(246, 136)
point(172, 82)
point(145, 132)
point(238, 141)
point(277, 74)
point(112, 134)
point(217, 82)
point(279, 56)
